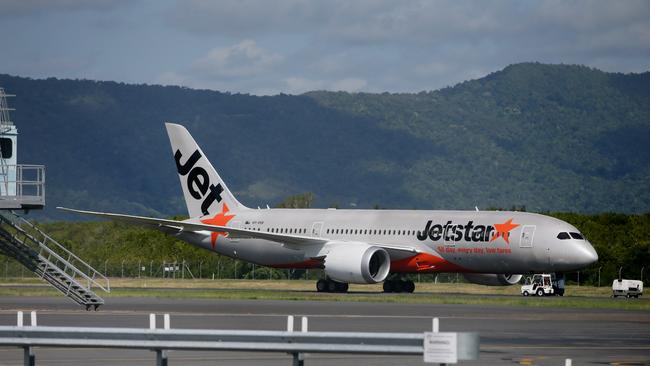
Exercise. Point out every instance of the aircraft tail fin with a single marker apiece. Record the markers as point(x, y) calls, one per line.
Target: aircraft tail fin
point(204, 191)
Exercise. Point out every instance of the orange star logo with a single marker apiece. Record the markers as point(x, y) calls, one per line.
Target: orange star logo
point(503, 230)
point(220, 219)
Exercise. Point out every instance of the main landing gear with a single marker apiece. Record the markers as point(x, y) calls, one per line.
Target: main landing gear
point(399, 285)
point(329, 285)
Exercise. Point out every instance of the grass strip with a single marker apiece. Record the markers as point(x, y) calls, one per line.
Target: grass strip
point(300, 290)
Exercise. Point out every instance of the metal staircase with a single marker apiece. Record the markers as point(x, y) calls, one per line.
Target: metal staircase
point(22, 187)
point(51, 261)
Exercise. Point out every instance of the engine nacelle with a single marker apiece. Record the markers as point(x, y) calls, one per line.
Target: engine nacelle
point(356, 263)
point(492, 279)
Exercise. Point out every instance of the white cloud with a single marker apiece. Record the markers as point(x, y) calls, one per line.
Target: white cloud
point(422, 45)
point(243, 67)
point(243, 59)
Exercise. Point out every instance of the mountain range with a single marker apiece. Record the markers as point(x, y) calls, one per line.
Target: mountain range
point(534, 136)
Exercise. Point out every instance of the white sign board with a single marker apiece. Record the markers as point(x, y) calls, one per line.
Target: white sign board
point(440, 347)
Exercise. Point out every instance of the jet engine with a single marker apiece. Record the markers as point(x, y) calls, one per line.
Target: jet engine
point(356, 263)
point(492, 279)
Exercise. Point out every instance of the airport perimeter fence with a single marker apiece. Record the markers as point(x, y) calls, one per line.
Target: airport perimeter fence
point(182, 269)
point(219, 267)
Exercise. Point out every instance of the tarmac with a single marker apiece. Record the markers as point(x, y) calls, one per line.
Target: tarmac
point(509, 335)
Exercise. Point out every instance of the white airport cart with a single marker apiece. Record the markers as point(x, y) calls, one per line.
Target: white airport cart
point(539, 284)
point(627, 288)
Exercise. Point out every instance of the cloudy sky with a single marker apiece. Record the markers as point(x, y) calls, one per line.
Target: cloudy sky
point(292, 46)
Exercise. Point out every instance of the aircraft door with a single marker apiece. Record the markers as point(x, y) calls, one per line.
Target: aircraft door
point(527, 234)
point(316, 228)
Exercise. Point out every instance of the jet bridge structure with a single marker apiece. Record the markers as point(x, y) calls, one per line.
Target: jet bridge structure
point(22, 188)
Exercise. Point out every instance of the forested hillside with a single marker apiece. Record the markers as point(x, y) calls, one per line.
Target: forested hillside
point(547, 137)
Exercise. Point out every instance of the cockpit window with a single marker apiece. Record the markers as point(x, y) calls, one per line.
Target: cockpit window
point(563, 236)
point(577, 236)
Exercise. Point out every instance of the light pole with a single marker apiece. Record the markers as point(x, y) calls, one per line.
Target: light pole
point(599, 268)
point(122, 268)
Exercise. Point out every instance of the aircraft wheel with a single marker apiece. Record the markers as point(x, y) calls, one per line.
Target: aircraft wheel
point(341, 287)
point(321, 286)
point(331, 286)
point(540, 292)
point(398, 286)
point(526, 293)
point(409, 287)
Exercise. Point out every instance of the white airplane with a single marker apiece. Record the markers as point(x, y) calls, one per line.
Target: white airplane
point(364, 246)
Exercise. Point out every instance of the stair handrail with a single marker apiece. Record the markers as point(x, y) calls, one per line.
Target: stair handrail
point(64, 288)
point(50, 251)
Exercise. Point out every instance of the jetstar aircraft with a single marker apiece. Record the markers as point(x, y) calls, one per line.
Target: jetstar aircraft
point(364, 246)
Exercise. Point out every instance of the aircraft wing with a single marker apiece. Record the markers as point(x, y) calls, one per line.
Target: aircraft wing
point(173, 226)
point(179, 226)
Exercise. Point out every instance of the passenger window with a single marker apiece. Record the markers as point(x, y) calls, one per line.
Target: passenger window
point(6, 148)
point(577, 236)
point(563, 236)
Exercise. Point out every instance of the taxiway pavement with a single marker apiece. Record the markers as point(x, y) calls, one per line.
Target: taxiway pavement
point(509, 335)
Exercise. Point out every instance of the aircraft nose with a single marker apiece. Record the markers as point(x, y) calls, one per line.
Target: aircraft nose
point(588, 254)
point(592, 252)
